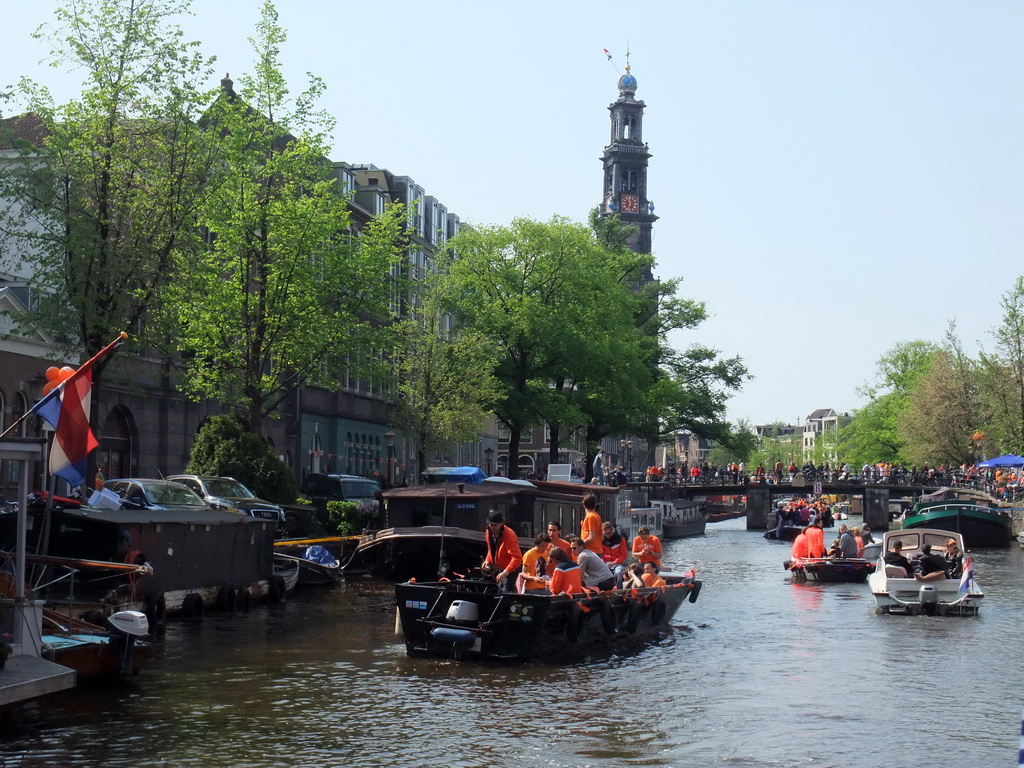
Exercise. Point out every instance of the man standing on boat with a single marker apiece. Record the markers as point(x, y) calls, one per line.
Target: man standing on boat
point(815, 538)
point(503, 554)
point(590, 526)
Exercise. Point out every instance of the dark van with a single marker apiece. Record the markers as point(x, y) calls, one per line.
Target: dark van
point(321, 488)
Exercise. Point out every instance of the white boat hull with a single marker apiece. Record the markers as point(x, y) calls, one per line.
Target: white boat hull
point(913, 597)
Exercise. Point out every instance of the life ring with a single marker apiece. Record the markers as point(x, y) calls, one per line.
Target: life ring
point(574, 623)
point(226, 598)
point(276, 588)
point(243, 600)
point(192, 606)
point(608, 618)
point(658, 611)
point(632, 616)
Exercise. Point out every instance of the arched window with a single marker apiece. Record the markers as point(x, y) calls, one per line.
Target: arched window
point(117, 442)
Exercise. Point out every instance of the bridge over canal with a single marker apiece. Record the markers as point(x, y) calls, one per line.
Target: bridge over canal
point(760, 496)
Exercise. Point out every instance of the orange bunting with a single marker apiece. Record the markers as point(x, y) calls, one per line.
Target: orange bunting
point(54, 377)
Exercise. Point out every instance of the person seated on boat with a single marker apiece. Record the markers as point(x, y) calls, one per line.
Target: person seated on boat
point(651, 577)
point(503, 554)
point(614, 549)
point(834, 550)
point(647, 548)
point(933, 567)
point(847, 543)
point(593, 570)
point(954, 560)
point(566, 577)
point(590, 526)
point(633, 577)
point(896, 558)
point(800, 550)
point(865, 534)
point(555, 534)
point(859, 540)
point(815, 539)
point(535, 565)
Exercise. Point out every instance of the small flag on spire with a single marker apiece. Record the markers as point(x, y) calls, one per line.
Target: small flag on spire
point(608, 54)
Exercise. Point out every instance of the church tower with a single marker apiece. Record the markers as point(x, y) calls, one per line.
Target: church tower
point(625, 166)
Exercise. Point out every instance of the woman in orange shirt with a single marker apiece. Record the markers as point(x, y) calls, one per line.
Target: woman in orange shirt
point(651, 577)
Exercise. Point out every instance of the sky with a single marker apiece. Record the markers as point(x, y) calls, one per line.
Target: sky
point(832, 177)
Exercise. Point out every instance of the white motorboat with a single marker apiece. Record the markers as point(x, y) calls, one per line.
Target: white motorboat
point(896, 591)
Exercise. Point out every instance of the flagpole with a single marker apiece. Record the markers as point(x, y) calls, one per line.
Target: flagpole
point(87, 365)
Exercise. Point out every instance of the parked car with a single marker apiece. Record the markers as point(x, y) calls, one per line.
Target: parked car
point(144, 493)
point(321, 488)
point(228, 493)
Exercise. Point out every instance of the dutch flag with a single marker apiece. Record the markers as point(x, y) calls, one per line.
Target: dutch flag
point(965, 580)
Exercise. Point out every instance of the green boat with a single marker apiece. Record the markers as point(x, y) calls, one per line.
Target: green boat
point(974, 515)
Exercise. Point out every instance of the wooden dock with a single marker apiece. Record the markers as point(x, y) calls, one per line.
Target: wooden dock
point(27, 677)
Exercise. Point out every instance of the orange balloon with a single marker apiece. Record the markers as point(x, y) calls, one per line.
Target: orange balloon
point(54, 376)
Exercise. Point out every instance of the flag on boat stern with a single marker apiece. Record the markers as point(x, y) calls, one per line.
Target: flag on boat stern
point(965, 580)
point(67, 409)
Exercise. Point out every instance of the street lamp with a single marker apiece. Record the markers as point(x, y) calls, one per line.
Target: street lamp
point(390, 437)
point(629, 454)
point(488, 455)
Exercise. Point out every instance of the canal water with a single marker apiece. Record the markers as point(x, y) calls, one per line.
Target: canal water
point(759, 672)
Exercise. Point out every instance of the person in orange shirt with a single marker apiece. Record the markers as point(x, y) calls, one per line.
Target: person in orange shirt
point(800, 549)
point(567, 576)
point(651, 577)
point(555, 534)
point(647, 548)
point(815, 539)
point(590, 527)
point(503, 554)
point(535, 565)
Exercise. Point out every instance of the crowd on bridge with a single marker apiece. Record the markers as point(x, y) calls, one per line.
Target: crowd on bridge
point(1004, 484)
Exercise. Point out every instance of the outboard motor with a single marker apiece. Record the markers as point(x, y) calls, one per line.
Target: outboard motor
point(929, 599)
point(459, 612)
point(127, 626)
point(463, 612)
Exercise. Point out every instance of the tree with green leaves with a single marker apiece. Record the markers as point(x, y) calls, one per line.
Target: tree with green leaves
point(283, 294)
point(874, 434)
point(1001, 376)
point(103, 192)
point(558, 309)
point(443, 373)
point(225, 447)
point(943, 409)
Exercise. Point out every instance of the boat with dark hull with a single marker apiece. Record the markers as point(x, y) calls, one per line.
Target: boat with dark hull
point(423, 552)
point(975, 516)
point(685, 520)
point(467, 619)
point(193, 559)
point(97, 654)
point(830, 569)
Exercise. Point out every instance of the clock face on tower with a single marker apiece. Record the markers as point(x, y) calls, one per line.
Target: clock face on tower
point(630, 204)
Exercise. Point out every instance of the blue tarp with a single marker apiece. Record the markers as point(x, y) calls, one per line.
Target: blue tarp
point(1009, 460)
point(455, 474)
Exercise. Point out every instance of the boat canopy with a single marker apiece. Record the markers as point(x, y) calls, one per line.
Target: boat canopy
point(1009, 460)
point(454, 475)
